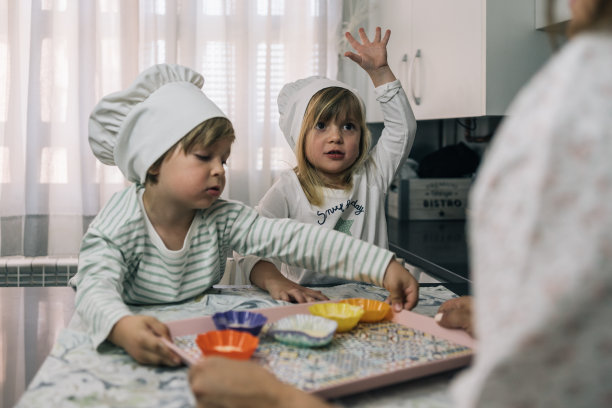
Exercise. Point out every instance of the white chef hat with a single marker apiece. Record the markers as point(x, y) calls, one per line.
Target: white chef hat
point(134, 127)
point(293, 100)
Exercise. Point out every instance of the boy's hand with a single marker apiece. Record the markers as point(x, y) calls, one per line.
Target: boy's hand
point(141, 337)
point(372, 56)
point(456, 314)
point(403, 288)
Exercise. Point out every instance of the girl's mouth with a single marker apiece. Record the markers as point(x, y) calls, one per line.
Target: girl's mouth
point(335, 155)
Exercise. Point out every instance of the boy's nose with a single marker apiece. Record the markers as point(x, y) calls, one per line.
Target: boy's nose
point(218, 167)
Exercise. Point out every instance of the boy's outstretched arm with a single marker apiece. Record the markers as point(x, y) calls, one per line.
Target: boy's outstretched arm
point(372, 55)
point(403, 288)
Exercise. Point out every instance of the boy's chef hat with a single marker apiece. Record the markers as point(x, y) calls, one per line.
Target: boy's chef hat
point(134, 127)
point(293, 100)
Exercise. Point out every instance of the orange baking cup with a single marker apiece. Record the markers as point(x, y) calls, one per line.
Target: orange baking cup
point(374, 310)
point(347, 316)
point(234, 344)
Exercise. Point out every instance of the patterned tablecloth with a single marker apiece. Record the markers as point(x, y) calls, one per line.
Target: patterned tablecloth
point(75, 375)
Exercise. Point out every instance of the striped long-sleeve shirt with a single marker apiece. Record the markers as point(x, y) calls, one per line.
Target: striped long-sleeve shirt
point(123, 260)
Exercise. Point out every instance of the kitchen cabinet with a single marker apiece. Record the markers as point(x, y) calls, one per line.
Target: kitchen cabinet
point(562, 13)
point(456, 58)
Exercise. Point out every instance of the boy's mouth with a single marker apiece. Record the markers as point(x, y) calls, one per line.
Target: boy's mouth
point(214, 191)
point(335, 154)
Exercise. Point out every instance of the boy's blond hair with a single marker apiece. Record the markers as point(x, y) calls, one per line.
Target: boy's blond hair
point(205, 134)
point(329, 104)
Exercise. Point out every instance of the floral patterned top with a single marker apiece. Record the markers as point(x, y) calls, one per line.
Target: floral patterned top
point(541, 241)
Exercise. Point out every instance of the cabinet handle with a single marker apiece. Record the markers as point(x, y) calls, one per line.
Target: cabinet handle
point(417, 99)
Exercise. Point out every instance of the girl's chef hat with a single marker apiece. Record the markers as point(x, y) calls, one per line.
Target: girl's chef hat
point(293, 100)
point(133, 128)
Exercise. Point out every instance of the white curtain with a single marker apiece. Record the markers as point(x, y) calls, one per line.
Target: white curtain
point(58, 57)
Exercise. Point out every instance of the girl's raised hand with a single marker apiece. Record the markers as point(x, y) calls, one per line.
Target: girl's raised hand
point(372, 55)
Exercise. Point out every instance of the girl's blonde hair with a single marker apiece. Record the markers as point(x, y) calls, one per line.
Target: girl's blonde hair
point(333, 103)
point(205, 134)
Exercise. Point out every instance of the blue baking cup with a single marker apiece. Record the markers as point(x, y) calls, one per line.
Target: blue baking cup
point(240, 320)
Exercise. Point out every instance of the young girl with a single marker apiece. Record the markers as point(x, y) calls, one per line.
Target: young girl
point(338, 184)
point(166, 237)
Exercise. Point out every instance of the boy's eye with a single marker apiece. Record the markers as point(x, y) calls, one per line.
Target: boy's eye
point(202, 157)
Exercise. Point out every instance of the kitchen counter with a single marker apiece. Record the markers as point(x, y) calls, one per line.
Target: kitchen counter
point(439, 248)
point(74, 374)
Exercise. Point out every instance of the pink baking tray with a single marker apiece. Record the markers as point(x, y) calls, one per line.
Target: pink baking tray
point(395, 373)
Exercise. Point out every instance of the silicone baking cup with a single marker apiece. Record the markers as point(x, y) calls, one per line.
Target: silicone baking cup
point(240, 320)
point(303, 330)
point(234, 344)
point(347, 316)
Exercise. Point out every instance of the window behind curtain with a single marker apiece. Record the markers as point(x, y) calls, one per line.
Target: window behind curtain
point(59, 57)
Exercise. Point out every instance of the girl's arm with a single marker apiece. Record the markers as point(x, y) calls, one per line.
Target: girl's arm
point(397, 137)
point(266, 276)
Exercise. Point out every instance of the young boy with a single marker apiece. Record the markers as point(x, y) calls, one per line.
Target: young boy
point(166, 237)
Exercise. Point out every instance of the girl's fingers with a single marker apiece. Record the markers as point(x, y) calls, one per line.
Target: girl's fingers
point(297, 295)
point(354, 43)
point(313, 296)
point(319, 295)
point(385, 39)
point(363, 36)
point(353, 56)
point(377, 35)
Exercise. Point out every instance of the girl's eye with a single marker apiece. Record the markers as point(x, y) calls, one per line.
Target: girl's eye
point(320, 125)
point(349, 126)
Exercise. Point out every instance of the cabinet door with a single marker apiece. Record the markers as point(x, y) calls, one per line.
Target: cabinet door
point(446, 77)
point(562, 13)
point(394, 15)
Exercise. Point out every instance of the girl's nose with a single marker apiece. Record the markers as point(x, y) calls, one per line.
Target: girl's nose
point(335, 135)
